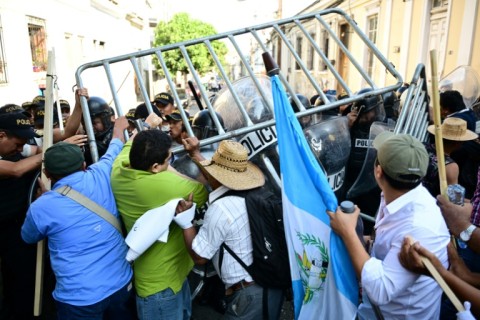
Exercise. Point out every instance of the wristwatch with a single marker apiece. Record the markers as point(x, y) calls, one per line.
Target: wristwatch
point(466, 234)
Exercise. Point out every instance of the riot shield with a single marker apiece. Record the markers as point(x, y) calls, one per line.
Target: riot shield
point(465, 80)
point(330, 143)
point(229, 106)
point(366, 180)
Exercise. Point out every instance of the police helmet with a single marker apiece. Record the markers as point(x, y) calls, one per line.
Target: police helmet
point(304, 100)
point(203, 126)
point(99, 108)
point(391, 103)
point(370, 103)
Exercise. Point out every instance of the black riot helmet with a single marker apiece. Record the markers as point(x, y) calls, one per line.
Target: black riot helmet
point(98, 108)
point(203, 126)
point(304, 100)
point(370, 103)
point(391, 103)
point(330, 112)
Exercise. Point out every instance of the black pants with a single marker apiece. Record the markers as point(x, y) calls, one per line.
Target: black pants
point(18, 273)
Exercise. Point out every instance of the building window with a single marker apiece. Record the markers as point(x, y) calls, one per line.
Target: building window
point(310, 53)
point(38, 44)
point(325, 48)
point(299, 51)
point(372, 24)
point(439, 3)
point(3, 64)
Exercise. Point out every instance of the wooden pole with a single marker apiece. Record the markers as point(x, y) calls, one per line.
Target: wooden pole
point(436, 275)
point(47, 142)
point(442, 175)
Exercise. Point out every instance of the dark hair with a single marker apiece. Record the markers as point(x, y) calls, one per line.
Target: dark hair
point(149, 147)
point(400, 185)
point(452, 100)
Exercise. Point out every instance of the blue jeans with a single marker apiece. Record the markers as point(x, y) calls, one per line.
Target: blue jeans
point(166, 305)
point(247, 303)
point(119, 306)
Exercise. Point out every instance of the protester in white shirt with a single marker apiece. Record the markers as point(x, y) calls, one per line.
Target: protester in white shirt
point(406, 208)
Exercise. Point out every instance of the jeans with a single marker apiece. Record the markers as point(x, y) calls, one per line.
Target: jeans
point(247, 303)
point(118, 306)
point(166, 305)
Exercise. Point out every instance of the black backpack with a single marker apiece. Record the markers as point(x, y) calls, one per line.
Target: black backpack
point(270, 267)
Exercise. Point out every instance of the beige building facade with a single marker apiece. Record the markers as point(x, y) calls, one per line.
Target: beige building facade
point(404, 31)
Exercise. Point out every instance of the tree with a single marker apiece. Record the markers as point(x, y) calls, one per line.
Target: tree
point(182, 28)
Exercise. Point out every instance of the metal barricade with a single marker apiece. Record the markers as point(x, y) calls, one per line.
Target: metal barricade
point(281, 34)
point(414, 116)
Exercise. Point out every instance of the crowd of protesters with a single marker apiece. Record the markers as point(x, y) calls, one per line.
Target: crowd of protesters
point(87, 251)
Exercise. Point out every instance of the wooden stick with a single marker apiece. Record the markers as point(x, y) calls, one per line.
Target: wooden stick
point(442, 175)
point(47, 142)
point(436, 275)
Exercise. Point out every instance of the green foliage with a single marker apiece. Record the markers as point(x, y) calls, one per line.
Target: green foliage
point(308, 239)
point(182, 28)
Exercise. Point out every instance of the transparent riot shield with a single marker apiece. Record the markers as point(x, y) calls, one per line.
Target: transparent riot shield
point(465, 80)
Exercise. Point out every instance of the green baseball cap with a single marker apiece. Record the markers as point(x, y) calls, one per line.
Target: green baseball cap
point(401, 156)
point(63, 158)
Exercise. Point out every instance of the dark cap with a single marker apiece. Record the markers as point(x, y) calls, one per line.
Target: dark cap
point(39, 116)
point(141, 111)
point(13, 108)
point(18, 124)
point(39, 101)
point(130, 115)
point(163, 98)
point(63, 158)
point(176, 116)
point(63, 104)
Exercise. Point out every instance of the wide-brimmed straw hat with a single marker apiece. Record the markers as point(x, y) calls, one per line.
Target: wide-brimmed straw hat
point(454, 129)
point(230, 166)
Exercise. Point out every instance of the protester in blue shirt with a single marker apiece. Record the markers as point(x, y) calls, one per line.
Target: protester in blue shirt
point(87, 253)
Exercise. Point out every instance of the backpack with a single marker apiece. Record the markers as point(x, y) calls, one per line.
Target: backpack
point(270, 267)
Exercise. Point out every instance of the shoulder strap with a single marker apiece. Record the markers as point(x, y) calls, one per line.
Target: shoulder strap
point(90, 205)
point(237, 193)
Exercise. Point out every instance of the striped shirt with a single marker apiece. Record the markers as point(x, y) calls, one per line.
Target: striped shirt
point(475, 217)
point(226, 221)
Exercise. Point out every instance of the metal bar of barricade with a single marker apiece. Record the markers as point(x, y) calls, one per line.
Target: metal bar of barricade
point(347, 52)
point(141, 84)
point(282, 78)
point(300, 62)
point(113, 89)
point(252, 74)
point(275, 28)
point(324, 59)
point(86, 116)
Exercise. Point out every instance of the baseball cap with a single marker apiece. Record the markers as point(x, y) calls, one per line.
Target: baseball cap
point(18, 124)
point(177, 116)
point(63, 158)
point(401, 156)
point(39, 116)
point(13, 108)
point(141, 111)
point(163, 98)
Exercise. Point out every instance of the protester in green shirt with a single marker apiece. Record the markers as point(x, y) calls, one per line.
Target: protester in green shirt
point(142, 180)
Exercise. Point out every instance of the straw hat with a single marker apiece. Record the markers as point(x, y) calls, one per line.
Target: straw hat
point(230, 166)
point(454, 129)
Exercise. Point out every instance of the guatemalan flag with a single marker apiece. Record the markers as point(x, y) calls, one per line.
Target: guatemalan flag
point(323, 278)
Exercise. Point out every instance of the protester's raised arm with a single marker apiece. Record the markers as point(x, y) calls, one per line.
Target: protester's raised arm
point(73, 122)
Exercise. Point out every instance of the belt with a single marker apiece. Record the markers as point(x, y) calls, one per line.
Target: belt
point(238, 286)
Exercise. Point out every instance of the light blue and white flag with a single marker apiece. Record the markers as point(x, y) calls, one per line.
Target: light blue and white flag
point(323, 278)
